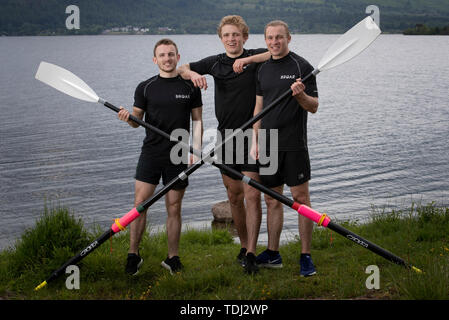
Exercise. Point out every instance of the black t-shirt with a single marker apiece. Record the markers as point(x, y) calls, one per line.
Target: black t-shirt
point(235, 93)
point(167, 103)
point(274, 77)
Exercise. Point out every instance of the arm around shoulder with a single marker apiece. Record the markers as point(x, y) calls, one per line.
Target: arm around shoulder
point(239, 64)
point(184, 71)
point(197, 79)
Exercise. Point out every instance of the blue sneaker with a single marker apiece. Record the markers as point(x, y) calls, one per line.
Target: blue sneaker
point(307, 267)
point(265, 260)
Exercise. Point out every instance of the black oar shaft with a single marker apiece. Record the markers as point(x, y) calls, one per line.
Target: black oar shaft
point(81, 255)
point(367, 244)
point(275, 195)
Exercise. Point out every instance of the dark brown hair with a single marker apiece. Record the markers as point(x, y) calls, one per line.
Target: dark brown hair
point(165, 42)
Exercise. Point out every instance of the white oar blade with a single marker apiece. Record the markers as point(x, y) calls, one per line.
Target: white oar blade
point(65, 81)
point(350, 44)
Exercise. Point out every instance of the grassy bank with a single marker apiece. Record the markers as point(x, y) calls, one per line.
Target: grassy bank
point(419, 235)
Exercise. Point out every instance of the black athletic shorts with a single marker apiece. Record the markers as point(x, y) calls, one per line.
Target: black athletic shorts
point(293, 169)
point(150, 170)
point(240, 160)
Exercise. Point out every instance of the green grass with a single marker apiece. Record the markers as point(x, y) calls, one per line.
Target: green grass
point(419, 235)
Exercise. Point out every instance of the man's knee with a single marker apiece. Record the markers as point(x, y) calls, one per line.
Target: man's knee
point(301, 194)
point(173, 201)
point(252, 195)
point(174, 204)
point(138, 201)
point(235, 193)
point(143, 191)
point(272, 204)
point(302, 199)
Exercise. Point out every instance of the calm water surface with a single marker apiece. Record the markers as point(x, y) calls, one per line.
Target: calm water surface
point(380, 137)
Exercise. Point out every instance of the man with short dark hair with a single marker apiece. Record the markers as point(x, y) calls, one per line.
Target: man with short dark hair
point(168, 102)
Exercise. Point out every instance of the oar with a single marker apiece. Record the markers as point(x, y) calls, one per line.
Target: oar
point(70, 84)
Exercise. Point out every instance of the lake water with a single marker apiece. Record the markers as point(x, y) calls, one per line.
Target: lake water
point(380, 137)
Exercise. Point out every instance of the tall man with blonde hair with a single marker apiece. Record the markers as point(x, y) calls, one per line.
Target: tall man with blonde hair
point(234, 105)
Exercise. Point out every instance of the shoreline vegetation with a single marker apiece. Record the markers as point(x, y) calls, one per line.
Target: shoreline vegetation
point(423, 30)
point(419, 29)
point(420, 235)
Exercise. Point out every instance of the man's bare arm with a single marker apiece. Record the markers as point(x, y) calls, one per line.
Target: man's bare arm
point(124, 115)
point(187, 74)
point(197, 130)
point(239, 64)
point(308, 103)
point(256, 126)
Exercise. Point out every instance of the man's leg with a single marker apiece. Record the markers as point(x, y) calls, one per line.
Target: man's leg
point(235, 193)
point(275, 219)
point(173, 201)
point(143, 191)
point(270, 258)
point(253, 212)
point(301, 195)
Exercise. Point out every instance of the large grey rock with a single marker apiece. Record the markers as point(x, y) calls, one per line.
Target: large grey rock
point(222, 212)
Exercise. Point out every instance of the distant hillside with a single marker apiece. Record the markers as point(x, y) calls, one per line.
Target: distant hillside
point(32, 17)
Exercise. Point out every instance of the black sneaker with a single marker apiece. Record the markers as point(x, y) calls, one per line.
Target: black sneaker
point(251, 265)
point(133, 263)
point(173, 264)
point(241, 258)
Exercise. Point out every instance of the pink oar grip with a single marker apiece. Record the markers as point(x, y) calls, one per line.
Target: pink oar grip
point(125, 220)
point(311, 214)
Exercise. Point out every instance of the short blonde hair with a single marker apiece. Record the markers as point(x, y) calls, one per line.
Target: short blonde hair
point(236, 21)
point(276, 23)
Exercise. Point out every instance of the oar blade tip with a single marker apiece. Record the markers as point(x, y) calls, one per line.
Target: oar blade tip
point(350, 44)
point(417, 270)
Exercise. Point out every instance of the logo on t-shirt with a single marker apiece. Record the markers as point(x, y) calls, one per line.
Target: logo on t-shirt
point(182, 96)
point(288, 76)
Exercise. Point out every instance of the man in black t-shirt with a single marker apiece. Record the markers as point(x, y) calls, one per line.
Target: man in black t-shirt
point(168, 102)
point(274, 77)
point(234, 105)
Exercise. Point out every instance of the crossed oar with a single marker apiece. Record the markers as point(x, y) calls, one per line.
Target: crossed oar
point(345, 48)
